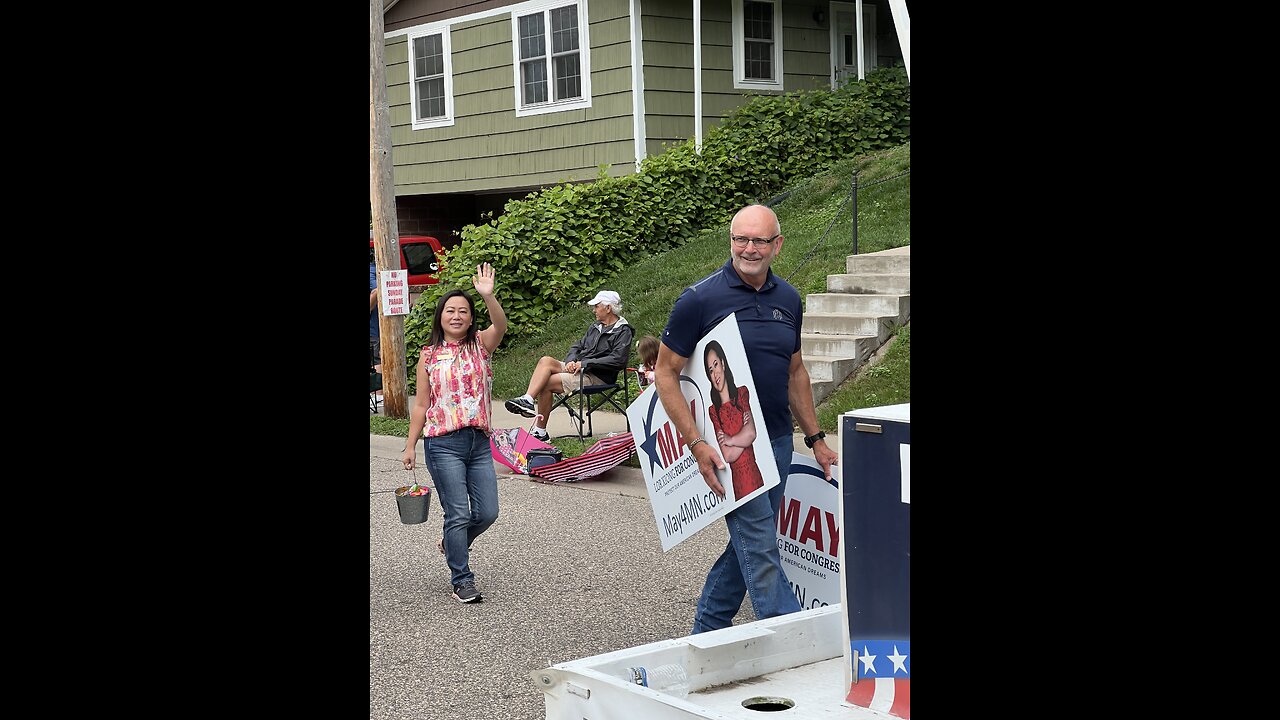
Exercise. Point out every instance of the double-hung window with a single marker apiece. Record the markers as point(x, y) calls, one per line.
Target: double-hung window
point(757, 44)
point(552, 57)
point(431, 77)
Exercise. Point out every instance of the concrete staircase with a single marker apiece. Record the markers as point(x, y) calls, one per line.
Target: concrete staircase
point(847, 324)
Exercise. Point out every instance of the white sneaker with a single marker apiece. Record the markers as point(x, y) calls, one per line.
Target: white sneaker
point(540, 434)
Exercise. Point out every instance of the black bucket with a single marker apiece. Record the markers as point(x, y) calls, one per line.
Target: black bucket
point(413, 508)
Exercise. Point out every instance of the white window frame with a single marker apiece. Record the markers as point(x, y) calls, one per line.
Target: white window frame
point(584, 57)
point(740, 79)
point(441, 29)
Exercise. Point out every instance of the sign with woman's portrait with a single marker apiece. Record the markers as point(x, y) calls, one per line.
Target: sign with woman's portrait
point(717, 384)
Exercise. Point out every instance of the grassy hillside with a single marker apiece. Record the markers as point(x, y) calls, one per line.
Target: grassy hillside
point(815, 219)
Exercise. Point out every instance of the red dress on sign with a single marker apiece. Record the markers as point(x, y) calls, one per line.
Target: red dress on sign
point(727, 418)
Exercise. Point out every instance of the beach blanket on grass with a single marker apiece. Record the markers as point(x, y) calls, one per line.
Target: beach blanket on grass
point(608, 453)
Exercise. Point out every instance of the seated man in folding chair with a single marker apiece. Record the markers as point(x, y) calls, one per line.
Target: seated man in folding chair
point(596, 359)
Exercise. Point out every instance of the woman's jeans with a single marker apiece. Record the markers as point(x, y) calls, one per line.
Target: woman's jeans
point(461, 465)
point(749, 564)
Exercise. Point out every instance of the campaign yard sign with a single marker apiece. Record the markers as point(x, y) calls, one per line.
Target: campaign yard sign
point(682, 503)
point(809, 532)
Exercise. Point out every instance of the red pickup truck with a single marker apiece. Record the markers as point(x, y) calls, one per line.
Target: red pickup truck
point(420, 255)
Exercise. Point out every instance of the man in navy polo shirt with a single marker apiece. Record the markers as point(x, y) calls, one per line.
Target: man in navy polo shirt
point(769, 320)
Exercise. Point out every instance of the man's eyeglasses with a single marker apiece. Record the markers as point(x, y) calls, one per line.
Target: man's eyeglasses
point(741, 241)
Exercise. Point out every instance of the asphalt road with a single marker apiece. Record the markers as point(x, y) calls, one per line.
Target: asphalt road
point(569, 570)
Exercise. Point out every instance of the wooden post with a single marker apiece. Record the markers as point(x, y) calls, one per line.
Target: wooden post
point(386, 236)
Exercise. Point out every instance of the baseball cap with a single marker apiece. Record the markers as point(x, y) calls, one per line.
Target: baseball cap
point(606, 296)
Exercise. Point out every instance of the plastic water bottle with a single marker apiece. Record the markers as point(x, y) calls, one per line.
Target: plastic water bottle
point(670, 679)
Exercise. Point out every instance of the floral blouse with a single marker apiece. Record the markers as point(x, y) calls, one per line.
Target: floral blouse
point(461, 377)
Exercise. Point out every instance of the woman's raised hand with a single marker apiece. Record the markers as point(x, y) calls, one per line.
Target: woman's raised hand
point(483, 280)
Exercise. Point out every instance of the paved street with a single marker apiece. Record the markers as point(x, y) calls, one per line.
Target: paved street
point(568, 571)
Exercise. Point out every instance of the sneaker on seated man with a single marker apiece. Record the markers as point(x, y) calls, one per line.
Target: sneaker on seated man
point(596, 359)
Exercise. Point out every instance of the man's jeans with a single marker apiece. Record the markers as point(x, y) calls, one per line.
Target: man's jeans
point(461, 464)
point(749, 564)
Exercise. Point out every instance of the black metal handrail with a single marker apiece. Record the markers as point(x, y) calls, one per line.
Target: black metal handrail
point(853, 196)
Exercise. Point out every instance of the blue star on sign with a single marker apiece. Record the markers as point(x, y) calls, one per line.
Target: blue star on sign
point(650, 444)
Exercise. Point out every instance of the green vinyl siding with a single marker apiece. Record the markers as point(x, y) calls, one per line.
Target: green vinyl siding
point(670, 126)
point(489, 148)
point(677, 28)
point(668, 72)
point(665, 102)
point(484, 35)
point(668, 54)
point(563, 137)
point(612, 80)
point(473, 138)
point(669, 79)
point(610, 57)
point(721, 105)
point(524, 170)
point(664, 54)
point(611, 31)
point(808, 63)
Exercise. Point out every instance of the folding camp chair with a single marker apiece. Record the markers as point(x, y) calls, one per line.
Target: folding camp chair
point(375, 384)
point(580, 403)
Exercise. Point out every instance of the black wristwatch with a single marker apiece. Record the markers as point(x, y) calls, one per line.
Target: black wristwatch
point(810, 440)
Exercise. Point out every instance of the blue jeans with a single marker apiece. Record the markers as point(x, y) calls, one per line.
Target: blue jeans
point(461, 465)
point(749, 564)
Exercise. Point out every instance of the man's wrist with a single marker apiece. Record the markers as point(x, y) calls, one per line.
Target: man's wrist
point(695, 441)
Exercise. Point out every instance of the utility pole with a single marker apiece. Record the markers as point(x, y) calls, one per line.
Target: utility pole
point(382, 200)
